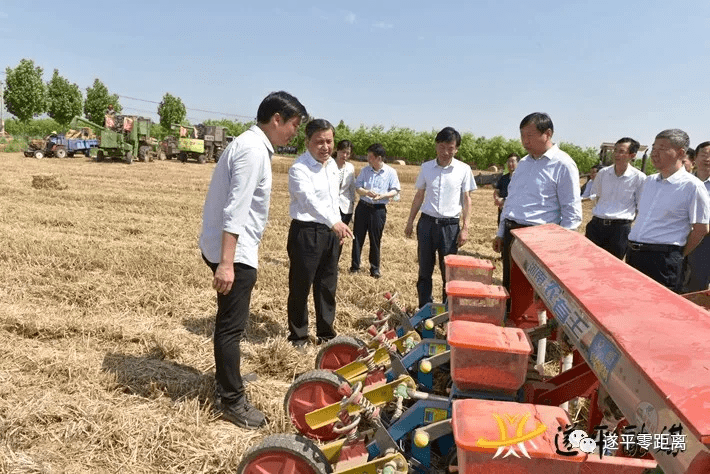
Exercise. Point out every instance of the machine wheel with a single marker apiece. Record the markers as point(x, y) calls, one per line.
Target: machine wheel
point(60, 153)
point(128, 158)
point(100, 155)
point(285, 454)
point(87, 153)
point(161, 155)
point(311, 391)
point(201, 159)
point(183, 156)
point(38, 154)
point(338, 352)
point(144, 153)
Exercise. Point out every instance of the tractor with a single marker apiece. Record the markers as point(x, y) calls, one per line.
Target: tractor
point(124, 137)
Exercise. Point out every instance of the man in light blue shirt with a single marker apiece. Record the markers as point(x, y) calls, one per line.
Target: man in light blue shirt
point(544, 188)
point(234, 216)
point(376, 184)
point(673, 213)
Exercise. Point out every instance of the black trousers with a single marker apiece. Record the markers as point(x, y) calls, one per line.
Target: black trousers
point(369, 219)
point(434, 235)
point(230, 323)
point(313, 251)
point(610, 234)
point(698, 264)
point(663, 263)
point(505, 254)
point(346, 218)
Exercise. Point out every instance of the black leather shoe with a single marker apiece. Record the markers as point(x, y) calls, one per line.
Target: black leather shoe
point(375, 274)
point(242, 414)
point(299, 343)
point(354, 270)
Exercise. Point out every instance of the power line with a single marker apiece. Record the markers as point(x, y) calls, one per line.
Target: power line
point(188, 108)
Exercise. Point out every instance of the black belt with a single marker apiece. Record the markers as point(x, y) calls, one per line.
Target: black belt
point(611, 221)
point(641, 247)
point(441, 220)
point(511, 224)
point(372, 205)
point(316, 225)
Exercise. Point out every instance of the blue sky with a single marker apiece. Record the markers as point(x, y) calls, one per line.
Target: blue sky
point(601, 69)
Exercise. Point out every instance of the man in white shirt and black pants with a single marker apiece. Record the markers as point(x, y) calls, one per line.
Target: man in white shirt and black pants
point(315, 235)
point(443, 187)
point(616, 190)
point(234, 216)
point(673, 213)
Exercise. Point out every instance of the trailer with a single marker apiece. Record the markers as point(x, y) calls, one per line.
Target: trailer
point(60, 146)
point(201, 143)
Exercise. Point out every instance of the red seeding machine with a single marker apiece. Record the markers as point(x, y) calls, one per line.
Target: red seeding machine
point(459, 388)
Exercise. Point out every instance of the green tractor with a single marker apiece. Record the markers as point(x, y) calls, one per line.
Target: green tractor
point(125, 137)
point(201, 142)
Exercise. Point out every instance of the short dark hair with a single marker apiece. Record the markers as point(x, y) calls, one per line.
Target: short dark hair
point(281, 103)
point(702, 145)
point(317, 125)
point(677, 137)
point(376, 149)
point(510, 155)
point(633, 144)
point(448, 135)
point(343, 144)
point(542, 122)
point(690, 153)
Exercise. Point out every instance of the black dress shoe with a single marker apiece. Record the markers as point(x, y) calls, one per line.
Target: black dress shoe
point(242, 414)
point(354, 270)
point(375, 274)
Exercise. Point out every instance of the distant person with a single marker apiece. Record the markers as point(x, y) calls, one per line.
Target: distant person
point(544, 188)
point(673, 213)
point(587, 188)
point(234, 216)
point(315, 235)
point(616, 190)
point(376, 184)
point(110, 110)
point(689, 160)
point(346, 170)
point(699, 259)
point(443, 187)
point(500, 193)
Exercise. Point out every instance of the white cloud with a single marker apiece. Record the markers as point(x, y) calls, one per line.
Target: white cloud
point(383, 25)
point(350, 17)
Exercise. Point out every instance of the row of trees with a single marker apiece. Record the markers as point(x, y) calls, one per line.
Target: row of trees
point(26, 96)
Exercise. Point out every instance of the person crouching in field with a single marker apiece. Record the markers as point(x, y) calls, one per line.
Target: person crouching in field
point(376, 184)
point(443, 187)
point(315, 236)
point(234, 216)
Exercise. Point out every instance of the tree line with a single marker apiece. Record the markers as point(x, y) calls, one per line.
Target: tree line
point(26, 96)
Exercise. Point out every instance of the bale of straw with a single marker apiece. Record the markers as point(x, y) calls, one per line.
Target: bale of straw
point(48, 181)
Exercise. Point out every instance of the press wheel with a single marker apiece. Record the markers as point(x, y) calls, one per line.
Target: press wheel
point(309, 392)
point(338, 352)
point(285, 454)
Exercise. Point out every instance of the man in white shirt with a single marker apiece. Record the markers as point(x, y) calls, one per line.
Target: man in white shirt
point(234, 216)
point(315, 235)
point(587, 188)
point(544, 188)
point(443, 187)
point(673, 213)
point(699, 259)
point(616, 190)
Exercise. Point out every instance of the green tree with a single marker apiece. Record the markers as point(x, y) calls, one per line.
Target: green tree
point(25, 93)
point(63, 99)
point(97, 102)
point(171, 110)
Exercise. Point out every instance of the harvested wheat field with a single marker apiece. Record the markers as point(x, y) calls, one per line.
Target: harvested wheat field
point(106, 315)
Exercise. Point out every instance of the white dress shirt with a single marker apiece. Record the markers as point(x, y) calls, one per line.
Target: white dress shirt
point(314, 190)
point(444, 187)
point(669, 207)
point(544, 191)
point(238, 198)
point(617, 196)
point(347, 188)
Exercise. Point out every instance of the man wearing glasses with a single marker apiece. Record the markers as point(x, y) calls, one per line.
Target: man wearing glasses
point(616, 190)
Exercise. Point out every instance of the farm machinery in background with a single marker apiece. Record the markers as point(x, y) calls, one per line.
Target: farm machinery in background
point(125, 137)
point(63, 145)
point(201, 143)
point(642, 365)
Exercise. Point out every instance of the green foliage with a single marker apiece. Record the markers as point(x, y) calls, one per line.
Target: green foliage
point(64, 100)
point(25, 93)
point(97, 102)
point(37, 128)
point(171, 110)
point(585, 158)
point(234, 128)
point(14, 145)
